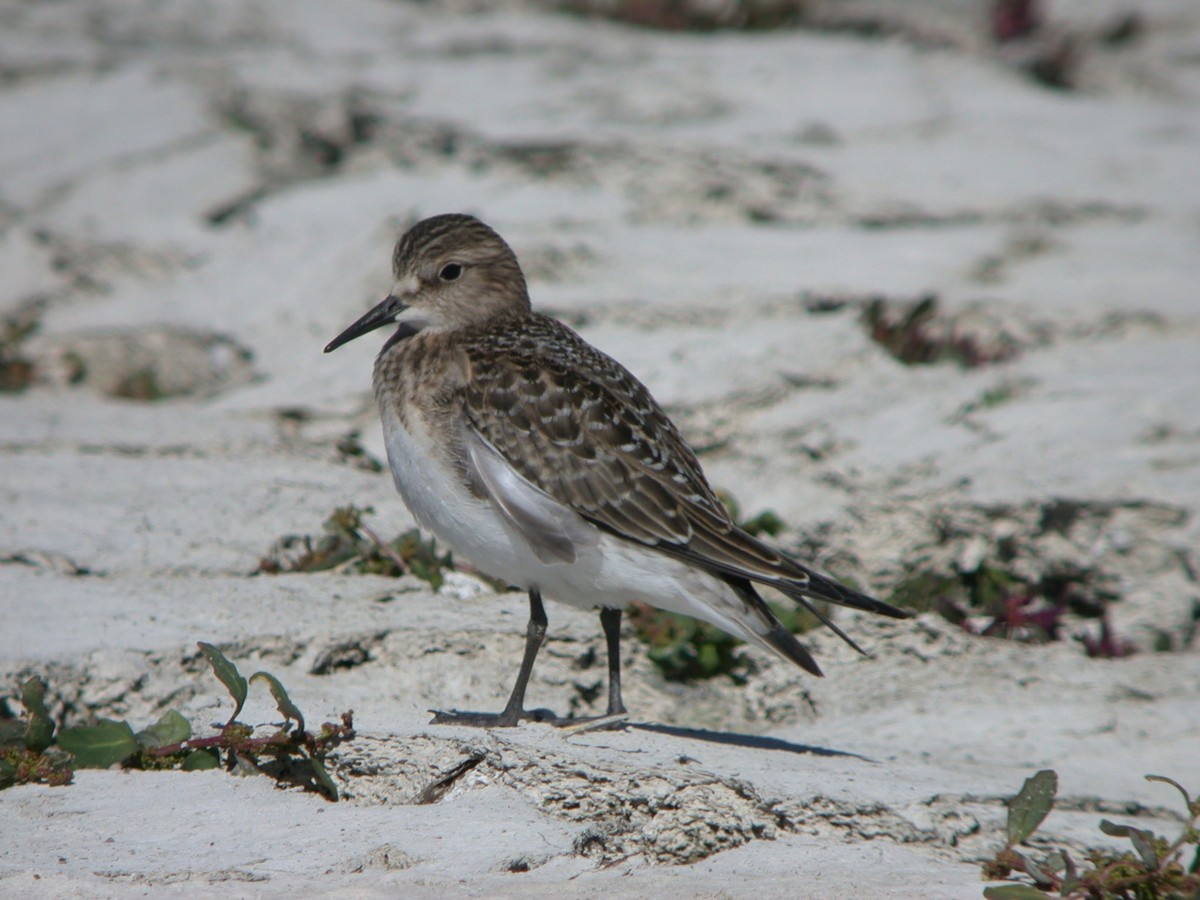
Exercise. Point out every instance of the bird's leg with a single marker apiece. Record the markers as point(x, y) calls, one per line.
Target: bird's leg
point(514, 710)
point(535, 634)
point(616, 717)
point(610, 621)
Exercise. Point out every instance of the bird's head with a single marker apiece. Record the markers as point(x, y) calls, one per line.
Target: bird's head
point(452, 272)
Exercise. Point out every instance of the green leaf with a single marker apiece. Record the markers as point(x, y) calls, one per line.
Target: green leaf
point(229, 676)
point(99, 746)
point(1187, 800)
point(1034, 802)
point(199, 760)
point(1015, 892)
point(12, 732)
point(172, 728)
point(1142, 840)
point(1040, 876)
point(1143, 843)
point(1055, 861)
point(39, 733)
point(283, 702)
point(767, 522)
point(8, 774)
point(1112, 829)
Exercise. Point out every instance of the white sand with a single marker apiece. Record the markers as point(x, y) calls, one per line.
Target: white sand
point(683, 198)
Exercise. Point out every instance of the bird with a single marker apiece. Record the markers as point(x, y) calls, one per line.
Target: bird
point(547, 464)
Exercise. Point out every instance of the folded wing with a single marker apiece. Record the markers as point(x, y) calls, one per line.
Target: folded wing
point(577, 426)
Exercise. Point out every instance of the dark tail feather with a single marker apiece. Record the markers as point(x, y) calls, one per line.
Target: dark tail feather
point(785, 642)
point(821, 588)
point(777, 637)
point(800, 597)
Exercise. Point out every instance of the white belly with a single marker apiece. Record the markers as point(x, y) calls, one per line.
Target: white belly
point(611, 572)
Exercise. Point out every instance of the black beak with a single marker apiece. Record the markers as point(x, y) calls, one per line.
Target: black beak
point(383, 314)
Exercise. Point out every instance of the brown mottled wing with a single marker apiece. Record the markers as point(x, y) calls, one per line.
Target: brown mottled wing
point(577, 425)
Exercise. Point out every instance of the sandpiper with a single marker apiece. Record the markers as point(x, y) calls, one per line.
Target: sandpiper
point(547, 464)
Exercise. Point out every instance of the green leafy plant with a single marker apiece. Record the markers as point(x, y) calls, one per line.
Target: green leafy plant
point(29, 752)
point(349, 544)
point(350, 450)
point(26, 754)
point(686, 649)
point(766, 522)
point(1020, 608)
point(1153, 869)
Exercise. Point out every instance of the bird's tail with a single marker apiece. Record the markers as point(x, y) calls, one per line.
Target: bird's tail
point(818, 588)
point(770, 631)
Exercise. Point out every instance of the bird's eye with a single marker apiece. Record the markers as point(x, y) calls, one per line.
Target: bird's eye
point(450, 272)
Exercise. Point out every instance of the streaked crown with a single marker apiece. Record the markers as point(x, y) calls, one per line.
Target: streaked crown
point(453, 271)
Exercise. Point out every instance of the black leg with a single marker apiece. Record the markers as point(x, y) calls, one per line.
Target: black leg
point(535, 634)
point(514, 710)
point(610, 621)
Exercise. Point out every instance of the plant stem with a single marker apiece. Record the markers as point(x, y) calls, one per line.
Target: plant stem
point(384, 548)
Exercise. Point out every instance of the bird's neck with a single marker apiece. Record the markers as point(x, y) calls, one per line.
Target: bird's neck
point(403, 332)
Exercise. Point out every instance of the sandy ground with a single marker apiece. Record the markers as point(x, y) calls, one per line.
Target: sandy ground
point(196, 196)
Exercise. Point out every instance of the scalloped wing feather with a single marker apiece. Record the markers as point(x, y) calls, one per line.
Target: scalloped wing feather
point(577, 426)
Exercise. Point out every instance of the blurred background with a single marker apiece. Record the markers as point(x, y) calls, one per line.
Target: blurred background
point(918, 279)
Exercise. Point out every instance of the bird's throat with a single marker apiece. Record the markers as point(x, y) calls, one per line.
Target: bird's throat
point(403, 332)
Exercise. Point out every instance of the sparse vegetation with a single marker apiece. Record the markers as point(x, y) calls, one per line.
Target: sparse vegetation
point(31, 752)
point(1040, 571)
point(348, 544)
point(351, 451)
point(999, 599)
point(1155, 868)
point(686, 649)
point(991, 397)
point(26, 754)
point(918, 334)
point(766, 522)
point(16, 369)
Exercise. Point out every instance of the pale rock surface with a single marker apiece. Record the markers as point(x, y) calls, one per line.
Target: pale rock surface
point(196, 196)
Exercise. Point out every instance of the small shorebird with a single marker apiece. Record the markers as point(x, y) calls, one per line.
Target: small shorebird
point(547, 464)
